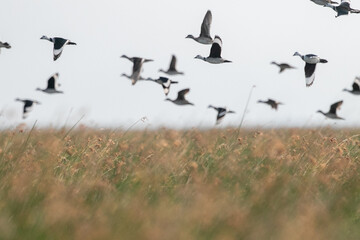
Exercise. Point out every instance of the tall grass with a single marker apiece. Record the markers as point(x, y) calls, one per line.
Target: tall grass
point(283, 184)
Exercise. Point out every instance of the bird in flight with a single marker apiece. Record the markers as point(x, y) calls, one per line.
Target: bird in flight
point(28, 104)
point(204, 37)
point(332, 112)
point(343, 9)
point(4, 45)
point(311, 60)
point(221, 113)
point(164, 82)
point(180, 100)
point(273, 104)
point(59, 44)
point(172, 68)
point(137, 68)
point(283, 66)
point(51, 85)
point(215, 53)
point(355, 87)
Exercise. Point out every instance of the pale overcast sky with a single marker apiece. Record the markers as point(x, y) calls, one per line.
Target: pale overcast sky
point(254, 33)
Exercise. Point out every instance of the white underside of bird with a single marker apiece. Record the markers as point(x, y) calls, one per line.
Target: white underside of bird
point(51, 91)
point(214, 60)
point(58, 51)
point(204, 40)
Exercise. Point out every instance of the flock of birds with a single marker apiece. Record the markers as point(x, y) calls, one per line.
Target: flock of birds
point(214, 57)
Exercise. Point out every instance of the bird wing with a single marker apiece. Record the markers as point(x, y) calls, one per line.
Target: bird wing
point(211, 106)
point(182, 93)
point(27, 107)
point(335, 106)
point(205, 26)
point(221, 114)
point(354, 10)
point(166, 82)
point(163, 80)
point(51, 82)
point(215, 51)
point(27, 104)
point(309, 73)
point(59, 44)
point(356, 85)
point(173, 63)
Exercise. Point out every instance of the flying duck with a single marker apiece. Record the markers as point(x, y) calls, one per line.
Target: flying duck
point(332, 112)
point(343, 9)
point(311, 60)
point(323, 2)
point(274, 104)
point(137, 68)
point(355, 87)
point(164, 82)
point(215, 53)
point(221, 113)
point(180, 100)
point(204, 37)
point(283, 66)
point(51, 85)
point(172, 69)
point(59, 44)
point(4, 45)
point(28, 104)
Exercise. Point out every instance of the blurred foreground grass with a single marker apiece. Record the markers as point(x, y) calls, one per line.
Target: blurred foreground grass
point(272, 184)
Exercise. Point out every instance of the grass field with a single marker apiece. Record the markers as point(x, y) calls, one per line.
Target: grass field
point(92, 184)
